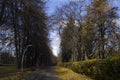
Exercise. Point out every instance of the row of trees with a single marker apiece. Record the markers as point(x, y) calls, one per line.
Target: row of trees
point(6, 58)
point(26, 19)
point(87, 30)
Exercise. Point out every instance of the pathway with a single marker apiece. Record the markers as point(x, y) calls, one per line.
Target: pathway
point(44, 74)
point(55, 73)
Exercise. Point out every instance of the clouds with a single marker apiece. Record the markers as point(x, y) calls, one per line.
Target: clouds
point(55, 42)
point(54, 36)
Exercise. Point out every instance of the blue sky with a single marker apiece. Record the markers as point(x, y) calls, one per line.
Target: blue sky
point(51, 6)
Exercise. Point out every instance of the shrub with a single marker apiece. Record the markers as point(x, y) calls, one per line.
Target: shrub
point(107, 69)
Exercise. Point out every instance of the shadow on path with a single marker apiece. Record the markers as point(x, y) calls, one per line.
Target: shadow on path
point(44, 74)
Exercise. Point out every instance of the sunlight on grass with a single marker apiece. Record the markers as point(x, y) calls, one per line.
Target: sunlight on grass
point(16, 76)
point(67, 74)
point(10, 72)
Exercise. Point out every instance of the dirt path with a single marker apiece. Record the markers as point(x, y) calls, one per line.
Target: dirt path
point(55, 73)
point(44, 74)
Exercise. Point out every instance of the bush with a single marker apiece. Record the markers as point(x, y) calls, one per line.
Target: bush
point(107, 69)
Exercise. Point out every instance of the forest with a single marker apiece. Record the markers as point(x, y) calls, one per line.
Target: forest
point(23, 23)
point(88, 31)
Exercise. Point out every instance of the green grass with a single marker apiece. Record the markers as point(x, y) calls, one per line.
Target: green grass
point(7, 69)
point(67, 74)
point(16, 76)
point(10, 72)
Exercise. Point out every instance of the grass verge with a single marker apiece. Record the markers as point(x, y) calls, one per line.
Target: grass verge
point(105, 69)
point(6, 70)
point(16, 76)
point(10, 72)
point(67, 74)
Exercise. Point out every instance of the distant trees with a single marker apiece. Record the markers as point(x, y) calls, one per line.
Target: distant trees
point(6, 58)
point(68, 53)
point(69, 18)
point(27, 20)
point(87, 30)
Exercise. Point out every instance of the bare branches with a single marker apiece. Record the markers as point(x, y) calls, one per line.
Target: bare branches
point(87, 31)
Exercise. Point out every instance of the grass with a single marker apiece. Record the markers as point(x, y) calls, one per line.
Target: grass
point(15, 76)
point(5, 70)
point(67, 74)
point(10, 72)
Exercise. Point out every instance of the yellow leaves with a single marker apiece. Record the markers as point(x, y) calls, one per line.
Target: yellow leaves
point(101, 6)
point(104, 7)
point(84, 31)
point(87, 27)
point(67, 74)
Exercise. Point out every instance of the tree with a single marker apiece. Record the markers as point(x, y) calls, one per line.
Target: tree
point(68, 39)
point(70, 28)
point(27, 20)
point(102, 16)
point(7, 58)
point(87, 31)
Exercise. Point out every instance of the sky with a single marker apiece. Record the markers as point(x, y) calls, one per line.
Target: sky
point(54, 37)
point(52, 4)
